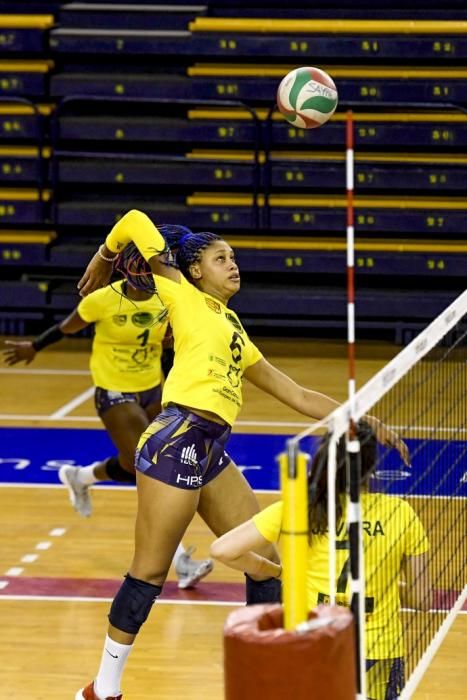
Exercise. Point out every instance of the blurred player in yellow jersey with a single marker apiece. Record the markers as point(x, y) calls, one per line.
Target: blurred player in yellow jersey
point(394, 543)
point(130, 326)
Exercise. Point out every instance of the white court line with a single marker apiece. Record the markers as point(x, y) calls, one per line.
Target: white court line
point(433, 647)
point(79, 599)
point(84, 599)
point(65, 372)
point(37, 416)
point(109, 487)
point(74, 403)
point(95, 419)
point(247, 423)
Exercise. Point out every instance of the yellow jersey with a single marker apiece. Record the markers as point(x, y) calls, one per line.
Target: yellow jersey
point(391, 531)
point(127, 344)
point(212, 350)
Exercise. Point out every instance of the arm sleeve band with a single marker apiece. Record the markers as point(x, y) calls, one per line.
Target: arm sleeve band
point(48, 337)
point(137, 227)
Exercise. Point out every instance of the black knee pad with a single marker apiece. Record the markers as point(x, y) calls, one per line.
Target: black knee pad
point(116, 472)
point(268, 591)
point(132, 604)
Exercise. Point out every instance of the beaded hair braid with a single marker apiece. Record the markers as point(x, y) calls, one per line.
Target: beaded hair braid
point(184, 248)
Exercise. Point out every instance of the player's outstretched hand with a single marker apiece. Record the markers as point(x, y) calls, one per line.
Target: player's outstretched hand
point(19, 351)
point(97, 275)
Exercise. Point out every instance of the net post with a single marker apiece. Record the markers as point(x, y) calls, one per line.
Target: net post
point(294, 535)
point(357, 582)
point(349, 172)
point(331, 478)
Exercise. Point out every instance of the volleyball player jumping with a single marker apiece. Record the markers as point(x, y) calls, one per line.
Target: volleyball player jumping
point(182, 466)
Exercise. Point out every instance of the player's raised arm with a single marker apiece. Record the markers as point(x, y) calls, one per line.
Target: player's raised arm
point(136, 227)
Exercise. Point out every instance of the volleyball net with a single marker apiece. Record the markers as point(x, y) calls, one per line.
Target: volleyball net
point(401, 562)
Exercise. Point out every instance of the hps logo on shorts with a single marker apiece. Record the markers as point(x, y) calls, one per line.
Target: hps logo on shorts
point(189, 456)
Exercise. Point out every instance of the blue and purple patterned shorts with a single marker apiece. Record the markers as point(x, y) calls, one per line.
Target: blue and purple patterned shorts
point(183, 449)
point(105, 398)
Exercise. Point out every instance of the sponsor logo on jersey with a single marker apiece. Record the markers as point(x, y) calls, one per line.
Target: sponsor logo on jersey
point(234, 376)
point(213, 305)
point(142, 318)
point(119, 319)
point(234, 321)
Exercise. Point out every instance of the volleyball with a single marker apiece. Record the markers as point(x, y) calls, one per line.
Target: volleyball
point(307, 97)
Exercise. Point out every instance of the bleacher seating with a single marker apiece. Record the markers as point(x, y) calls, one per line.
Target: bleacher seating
point(169, 108)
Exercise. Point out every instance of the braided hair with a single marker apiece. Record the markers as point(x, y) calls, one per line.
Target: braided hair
point(317, 480)
point(134, 268)
point(184, 248)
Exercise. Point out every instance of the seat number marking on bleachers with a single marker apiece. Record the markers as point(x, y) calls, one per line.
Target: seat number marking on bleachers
point(296, 133)
point(441, 90)
point(9, 169)
point(370, 46)
point(444, 47)
point(7, 40)
point(436, 264)
point(11, 84)
point(365, 262)
point(293, 262)
point(294, 176)
point(226, 132)
point(228, 44)
point(11, 254)
point(223, 174)
point(230, 89)
point(442, 135)
point(366, 132)
point(299, 46)
point(303, 218)
point(435, 179)
point(9, 126)
point(370, 91)
point(435, 221)
point(217, 216)
point(8, 210)
point(366, 219)
point(367, 178)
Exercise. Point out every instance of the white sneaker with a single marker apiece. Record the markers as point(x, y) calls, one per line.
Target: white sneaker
point(79, 493)
point(191, 571)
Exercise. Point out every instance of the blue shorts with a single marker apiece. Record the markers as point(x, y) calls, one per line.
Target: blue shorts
point(105, 398)
point(182, 449)
point(385, 678)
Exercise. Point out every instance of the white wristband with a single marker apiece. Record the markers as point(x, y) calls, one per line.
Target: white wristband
point(103, 257)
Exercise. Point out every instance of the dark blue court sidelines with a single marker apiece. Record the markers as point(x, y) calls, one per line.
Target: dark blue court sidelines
point(34, 455)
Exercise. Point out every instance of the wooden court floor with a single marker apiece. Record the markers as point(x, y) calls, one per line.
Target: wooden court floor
point(50, 645)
